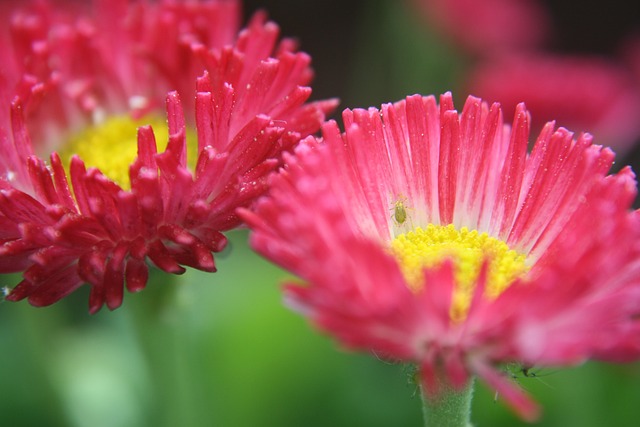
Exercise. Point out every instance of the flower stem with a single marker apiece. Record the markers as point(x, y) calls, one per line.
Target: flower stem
point(451, 408)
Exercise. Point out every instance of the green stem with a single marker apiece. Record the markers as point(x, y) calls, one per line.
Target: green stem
point(451, 408)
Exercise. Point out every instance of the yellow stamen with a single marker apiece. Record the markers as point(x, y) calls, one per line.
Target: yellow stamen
point(112, 147)
point(468, 250)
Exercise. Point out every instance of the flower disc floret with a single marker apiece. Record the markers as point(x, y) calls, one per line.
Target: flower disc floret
point(111, 146)
point(468, 251)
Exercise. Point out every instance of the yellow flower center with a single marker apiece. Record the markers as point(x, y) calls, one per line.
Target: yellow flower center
point(423, 248)
point(111, 146)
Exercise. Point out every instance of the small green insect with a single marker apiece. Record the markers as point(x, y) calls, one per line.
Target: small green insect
point(527, 371)
point(517, 372)
point(400, 210)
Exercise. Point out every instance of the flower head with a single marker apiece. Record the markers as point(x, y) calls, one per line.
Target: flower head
point(434, 237)
point(89, 92)
point(553, 87)
point(487, 27)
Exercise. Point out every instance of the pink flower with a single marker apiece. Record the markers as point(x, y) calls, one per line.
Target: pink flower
point(578, 92)
point(433, 237)
point(82, 83)
point(487, 27)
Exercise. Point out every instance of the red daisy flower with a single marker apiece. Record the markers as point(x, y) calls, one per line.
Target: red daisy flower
point(488, 26)
point(433, 237)
point(108, 201)
point(553, 87)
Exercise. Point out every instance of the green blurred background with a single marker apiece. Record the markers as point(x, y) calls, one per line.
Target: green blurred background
point(220, 349)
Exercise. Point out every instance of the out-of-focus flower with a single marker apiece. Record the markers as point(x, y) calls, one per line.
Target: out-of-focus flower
point(578, 92)
point(487, 27)
point(77, 86)
point(629, 52)
point(433, 237)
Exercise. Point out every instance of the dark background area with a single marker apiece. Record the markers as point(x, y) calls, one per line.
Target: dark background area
point(330, 30)
point(592, 26)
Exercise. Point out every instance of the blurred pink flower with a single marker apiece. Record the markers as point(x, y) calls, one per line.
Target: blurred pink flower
point(486, 27)
point(72, 77)
point(533, 258)
point(629, 52)
point(578, 92)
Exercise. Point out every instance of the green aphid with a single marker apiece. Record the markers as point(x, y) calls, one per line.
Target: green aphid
point(399, 212)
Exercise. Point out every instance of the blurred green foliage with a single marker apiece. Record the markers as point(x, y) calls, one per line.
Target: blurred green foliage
point(221, 350)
